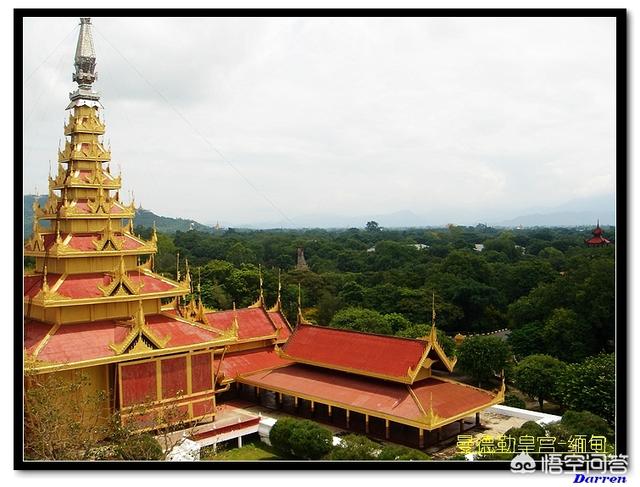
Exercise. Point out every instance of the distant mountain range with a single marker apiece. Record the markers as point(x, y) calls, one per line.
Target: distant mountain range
point(578, 212)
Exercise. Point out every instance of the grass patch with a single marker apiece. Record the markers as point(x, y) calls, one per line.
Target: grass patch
point(251, 451)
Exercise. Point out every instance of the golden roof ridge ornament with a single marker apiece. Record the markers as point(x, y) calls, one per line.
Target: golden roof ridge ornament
point(260, 302)
point(121, 284)
point(139, 329)
point(278, 305)
point(300, 319)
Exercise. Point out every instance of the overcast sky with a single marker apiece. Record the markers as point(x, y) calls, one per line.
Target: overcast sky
point(444, 117)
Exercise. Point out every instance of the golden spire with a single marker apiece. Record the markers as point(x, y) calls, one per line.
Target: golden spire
point(154, 234)
point(58, 237)
point(433, 309)
point(278, 305)
point(234, 323)
point(198, 288)
point(187, 276)
point(45, 282)
point(260, 279)
point(300, 320)
point(178, 266)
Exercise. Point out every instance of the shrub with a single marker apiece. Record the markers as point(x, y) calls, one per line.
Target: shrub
point(310, 441)
point(355, 447)
point(280, 435)
point(296, 438)
point(396, 452)
point(140, 447)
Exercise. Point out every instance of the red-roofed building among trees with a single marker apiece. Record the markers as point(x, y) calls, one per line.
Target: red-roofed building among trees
point(598, 239)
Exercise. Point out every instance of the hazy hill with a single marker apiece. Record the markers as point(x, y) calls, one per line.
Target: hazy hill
point(143, 217)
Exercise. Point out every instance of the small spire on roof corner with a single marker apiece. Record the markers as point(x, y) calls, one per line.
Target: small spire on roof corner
point(433, 308)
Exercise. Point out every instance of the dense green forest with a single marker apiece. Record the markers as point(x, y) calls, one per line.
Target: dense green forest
point(554, 293)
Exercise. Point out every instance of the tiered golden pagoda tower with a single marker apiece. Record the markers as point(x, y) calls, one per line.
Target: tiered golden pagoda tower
point(94, 304)
point(91, 306)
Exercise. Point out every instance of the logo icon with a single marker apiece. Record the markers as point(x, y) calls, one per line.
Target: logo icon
point(523, 463)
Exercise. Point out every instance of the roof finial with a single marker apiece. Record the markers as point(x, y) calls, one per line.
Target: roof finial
point(45, 282)
point(433, 308)
point(260, 278)
point(85, 58)
point(300, 319)
point(199, 290)
point(178, 266)
point(187, 276)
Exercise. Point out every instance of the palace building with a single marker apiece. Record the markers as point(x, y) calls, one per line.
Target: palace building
point(93, 304)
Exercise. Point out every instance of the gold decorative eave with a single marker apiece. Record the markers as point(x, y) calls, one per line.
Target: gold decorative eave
point(78, 183)
point(196, 347)
point(72, 253)
point(71, 215)
point(64, 301)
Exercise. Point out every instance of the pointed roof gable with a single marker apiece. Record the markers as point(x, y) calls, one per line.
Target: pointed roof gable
point(386, 357)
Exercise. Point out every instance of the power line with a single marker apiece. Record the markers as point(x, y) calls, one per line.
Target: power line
point(196, 131)
point(49, 55)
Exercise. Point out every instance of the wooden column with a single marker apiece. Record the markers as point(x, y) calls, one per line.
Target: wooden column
point(366, 423)
point(347, 417)
point(330, 413)
point(461, 425)
point(313, 407)
point(420, 438)
point(477, 419)
point(386, 429)
point(295, 403)
point(278, 399)
point(258, 393)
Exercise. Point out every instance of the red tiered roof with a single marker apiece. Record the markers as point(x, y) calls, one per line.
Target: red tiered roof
point(87, 341)
point(280, 322)
point(79, 286)
point(84, 241)
point(597, 239)
point(360, 353)
point(448, 399)
point(252, 322)
point(248, 362)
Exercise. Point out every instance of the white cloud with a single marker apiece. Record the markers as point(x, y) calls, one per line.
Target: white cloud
point(344, 116)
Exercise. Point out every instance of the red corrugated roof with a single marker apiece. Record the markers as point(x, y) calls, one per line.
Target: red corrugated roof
point(341, 388)
point(249, 361)
point(356, 352)
point(180, 333)
point(376, 396)
point(78, 286)
point(74, 343)
point(252, 322)
point(284, 331)
point(34, 332)
point(87, 341)
point(449, 398)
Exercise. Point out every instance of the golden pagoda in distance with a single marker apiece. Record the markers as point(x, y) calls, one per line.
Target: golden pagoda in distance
point(94, 305)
